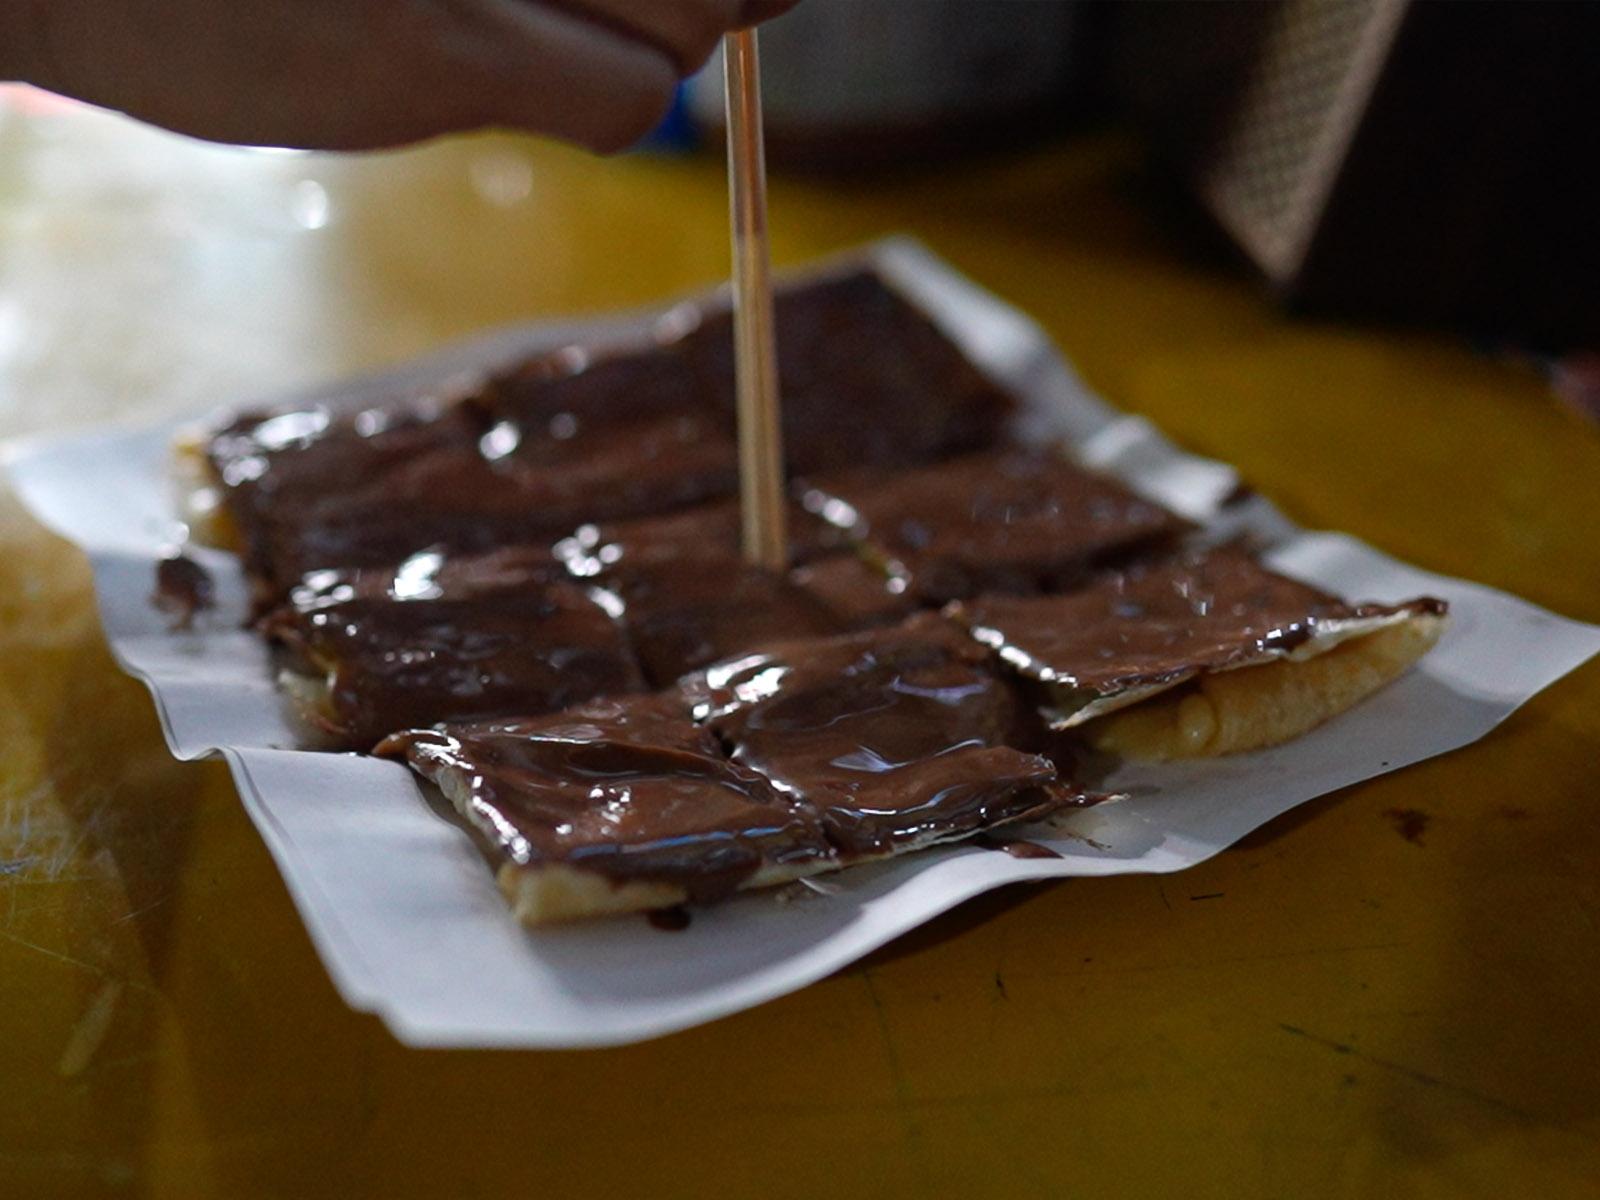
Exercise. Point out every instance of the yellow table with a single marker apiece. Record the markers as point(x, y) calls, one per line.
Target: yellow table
point(1327, 1009)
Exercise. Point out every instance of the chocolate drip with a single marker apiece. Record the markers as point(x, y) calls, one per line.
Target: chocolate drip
point(673, 920)
point(688, 599)
point(866, 378)
point(855, 593)
point(457, 499)
point(183, 589)
point(705, 531)
point(1015, 847)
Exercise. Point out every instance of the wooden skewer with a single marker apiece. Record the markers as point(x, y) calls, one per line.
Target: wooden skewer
point(761, 484)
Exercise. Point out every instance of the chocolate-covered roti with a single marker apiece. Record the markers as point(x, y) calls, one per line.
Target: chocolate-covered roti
point(1010, 520)
point(898, 738)
point(618, 804)
point(1191, 619)
point(441, 637)
point(528, 584)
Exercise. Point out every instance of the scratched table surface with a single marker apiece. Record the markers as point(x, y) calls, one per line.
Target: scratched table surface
point(1390, 991)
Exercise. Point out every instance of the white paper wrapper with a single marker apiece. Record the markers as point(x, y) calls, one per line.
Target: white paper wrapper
point(407, 916)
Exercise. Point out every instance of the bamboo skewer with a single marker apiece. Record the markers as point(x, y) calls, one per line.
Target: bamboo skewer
point(761, 483)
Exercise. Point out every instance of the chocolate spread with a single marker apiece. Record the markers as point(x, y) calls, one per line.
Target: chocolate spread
point(1011, 520)
point(896, 737)
point(1162, 622)
point(588, 435)
point(626, 787)
point(688, 599)
point(183, 589)
point(815, 754)
point(442, 637)
point(275, 468)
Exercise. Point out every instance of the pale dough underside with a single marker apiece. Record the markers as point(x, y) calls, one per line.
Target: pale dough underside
point(1233, 711)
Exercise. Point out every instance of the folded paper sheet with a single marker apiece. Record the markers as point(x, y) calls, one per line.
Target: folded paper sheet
point(406, 914)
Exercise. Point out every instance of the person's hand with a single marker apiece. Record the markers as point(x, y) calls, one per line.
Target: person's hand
point(361, 74)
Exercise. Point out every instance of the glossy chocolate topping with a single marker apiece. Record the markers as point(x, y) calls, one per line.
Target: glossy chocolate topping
point(866, 378)
point(609, 384)
point(507, 462)
point(440, 638)
point(590, 435)
point(1162, 622)
point(1013, 520)
point(627, 787)
point(896, 737)
point(260, 457)
point(855, 593)
point(463, 499)
point(704, 531)
point(689, 600)
point(682, 613)
point(541, 413)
